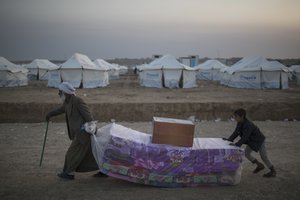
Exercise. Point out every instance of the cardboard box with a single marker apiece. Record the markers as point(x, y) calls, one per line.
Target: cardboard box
point(173, 131)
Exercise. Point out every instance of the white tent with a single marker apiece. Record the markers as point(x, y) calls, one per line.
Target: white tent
point(210, 70)
point(54, 78)
point(257, 73)
point(224, 76)
point(12, 75)
point(275, 75)
point(150, 76)
point(39, 68)
point(114, 70)
point(79, 69)
point(189, 79)
point(123, 69)
point(172, 70)
point(296, 71)
point(167, 71)
point(104, 72)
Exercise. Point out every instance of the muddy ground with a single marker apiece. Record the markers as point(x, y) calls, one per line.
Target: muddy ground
point(22, 178)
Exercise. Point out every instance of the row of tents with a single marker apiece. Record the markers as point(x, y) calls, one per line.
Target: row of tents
point(79, 70)
point(250, 72)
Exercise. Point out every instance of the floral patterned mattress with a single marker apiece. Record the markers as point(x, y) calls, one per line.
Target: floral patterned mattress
point(127, 154)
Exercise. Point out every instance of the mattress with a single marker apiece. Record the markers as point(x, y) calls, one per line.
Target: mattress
point(129, 155)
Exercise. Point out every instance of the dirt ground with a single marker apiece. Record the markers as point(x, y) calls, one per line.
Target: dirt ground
point(127, 89)
point(126, 100)
point(22, 178)
point(21, 143)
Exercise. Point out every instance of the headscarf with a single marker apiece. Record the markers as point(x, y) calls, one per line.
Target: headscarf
point(66, 88)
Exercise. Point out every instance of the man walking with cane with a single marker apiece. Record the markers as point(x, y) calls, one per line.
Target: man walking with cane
point(79, 157)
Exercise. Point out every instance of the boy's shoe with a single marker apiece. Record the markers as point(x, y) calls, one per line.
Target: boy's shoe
point(258, 168)
point(271, 173)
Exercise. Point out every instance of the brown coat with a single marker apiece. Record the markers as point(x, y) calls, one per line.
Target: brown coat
point(79, 156)
point(77, 113)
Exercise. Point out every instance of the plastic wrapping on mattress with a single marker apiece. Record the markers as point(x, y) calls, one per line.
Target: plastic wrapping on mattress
point(129, 155)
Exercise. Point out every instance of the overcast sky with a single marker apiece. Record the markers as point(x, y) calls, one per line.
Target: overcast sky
point(55, 29)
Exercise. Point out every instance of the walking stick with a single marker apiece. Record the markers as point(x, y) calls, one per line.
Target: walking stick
point(45, 138)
